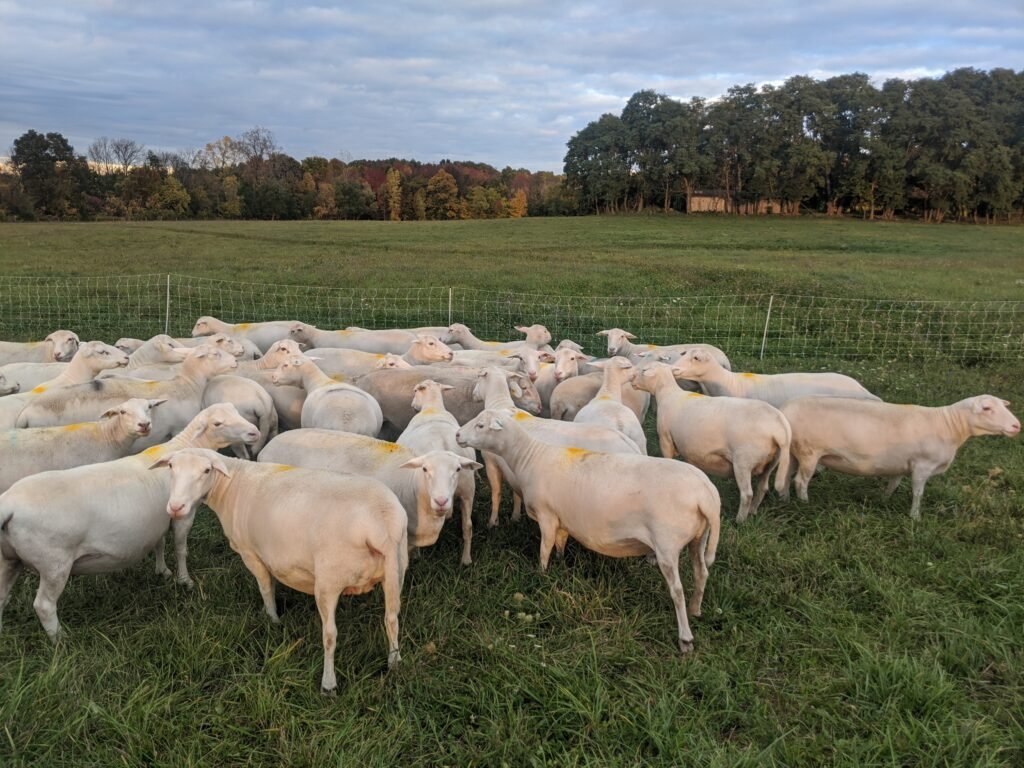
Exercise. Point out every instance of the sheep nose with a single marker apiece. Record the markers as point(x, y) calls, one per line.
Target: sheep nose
point(441, 502)
point(144, 426)
point(175, 508)
point(450, 356)
point(559, 376)
point(252, 436)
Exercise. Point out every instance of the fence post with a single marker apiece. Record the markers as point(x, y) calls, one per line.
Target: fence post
point(767, 319)
point(167, 306)
point(449, 306)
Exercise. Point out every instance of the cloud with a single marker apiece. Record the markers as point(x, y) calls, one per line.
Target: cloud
point(501, 81)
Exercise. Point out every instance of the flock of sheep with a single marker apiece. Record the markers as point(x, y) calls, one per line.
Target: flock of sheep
point(364, 439)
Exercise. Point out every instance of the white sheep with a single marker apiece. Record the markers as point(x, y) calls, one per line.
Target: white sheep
point(21, 377)
point(620, 343)
point(330, 404)
point(85, 402)
point(615, 504)
point(25, 452)
point(8, 387)
point(876, 439)
point(492, 389)
point(723, 436)
point(263, 335)
point(58, 347)
point(571, 395)
point(165, 360)
point(424, 484)
point(433, 428)
point(90, 359)
point(537, 336)
point(99, 518)
point(776, 389)
point(252, 401)
point(320, 533)
point(396, 342)
point(607, 410)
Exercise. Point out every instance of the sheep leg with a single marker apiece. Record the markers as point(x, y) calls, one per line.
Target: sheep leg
point(891, 486)
point(327, 603)
point(181, 527)
point(466, 508)
point(700, 575)
point(51, 585)
point(548, 534)
point(561, 537)
point(265, 582)
point(394, 577)
point(784, 493)
point(804, 473)
point(517, 507)
point(159, 560)
point(742, 474)
point(669, 566)
point(10, 570)
point(667, 445)
point(919, 475)
point(761, 490)
point(494, 478)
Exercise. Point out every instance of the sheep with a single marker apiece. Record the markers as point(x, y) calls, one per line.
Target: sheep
point(26, 452)
point(90, 359)
point(394, 391)
point(775, 389)
point(396, 342)
point(330, 404)
point(243, 349)
point(184, 394)
point(128, 345)
point(523, 358)
point(319, 533)
point(572, 394)
point(263, 335)
point(21, 377)
point(876, 439)
point(158, 357)
point(426, 349)
point(433, 428)
point(58, 347)
point(607, 410)
point(615, 504)
point(103, 517)
point(252, 401)
point(619, 344)
point(723, 436)
point(288, 400)
point(349, 364)
point(390, 362)
point(537, 336)
point(493, 390)
point(424, 484)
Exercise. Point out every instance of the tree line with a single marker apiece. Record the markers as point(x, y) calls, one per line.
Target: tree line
point(951, 147)
point(933, 148)
point(251, 177)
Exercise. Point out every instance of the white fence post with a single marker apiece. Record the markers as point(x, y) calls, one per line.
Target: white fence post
point(450, 306)
point(167, 306)
point(768, 317)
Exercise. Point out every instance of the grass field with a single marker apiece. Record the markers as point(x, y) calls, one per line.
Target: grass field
point(838, 632)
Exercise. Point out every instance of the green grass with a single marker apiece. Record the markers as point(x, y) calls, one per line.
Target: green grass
point(838, 632)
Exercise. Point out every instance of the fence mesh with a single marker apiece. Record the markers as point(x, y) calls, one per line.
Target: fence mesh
point(783, 326)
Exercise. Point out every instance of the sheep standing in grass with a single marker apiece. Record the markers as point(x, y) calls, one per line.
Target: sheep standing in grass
point(723, 436)
point(320, 533)
point(330, 404)
point(864, 437)
point(615, 504)
point(99, 518)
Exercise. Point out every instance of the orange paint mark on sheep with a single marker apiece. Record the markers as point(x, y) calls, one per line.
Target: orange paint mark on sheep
point(749, 375)
point(40, 389)
point(576, 454)
point(522, 416)
point(282, 468)
point(154, 452)
point(73, 427)
point(695, 394)
point(243, 326)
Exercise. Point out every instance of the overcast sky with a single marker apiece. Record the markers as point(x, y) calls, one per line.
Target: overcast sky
point(505, 82)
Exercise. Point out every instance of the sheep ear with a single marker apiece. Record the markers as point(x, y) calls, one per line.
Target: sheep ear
point(470, 464)
point(521, 328)
point(415, 463)
point(629, 335)
point(496, 424)
point(583, 357)
point(155, 403)
point(514, 389)
point(219, 466)
point(1005, 402)
point(446, 387)
point(604, 333)
point(110, 413)
point(164, 462)
point(546, 357)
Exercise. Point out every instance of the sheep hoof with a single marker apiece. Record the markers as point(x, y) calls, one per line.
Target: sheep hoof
point(685, 646)
point(185, 581)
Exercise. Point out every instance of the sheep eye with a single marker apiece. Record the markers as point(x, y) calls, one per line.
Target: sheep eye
point(424, 469)
point(218, 423)
point(206, 471)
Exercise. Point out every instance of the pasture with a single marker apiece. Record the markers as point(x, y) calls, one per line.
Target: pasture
point(835, 632)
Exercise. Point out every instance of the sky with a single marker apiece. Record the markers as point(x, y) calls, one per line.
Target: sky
point(497, 81)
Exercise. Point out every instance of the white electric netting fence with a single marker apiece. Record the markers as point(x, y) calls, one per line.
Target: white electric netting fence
point(752, 325)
